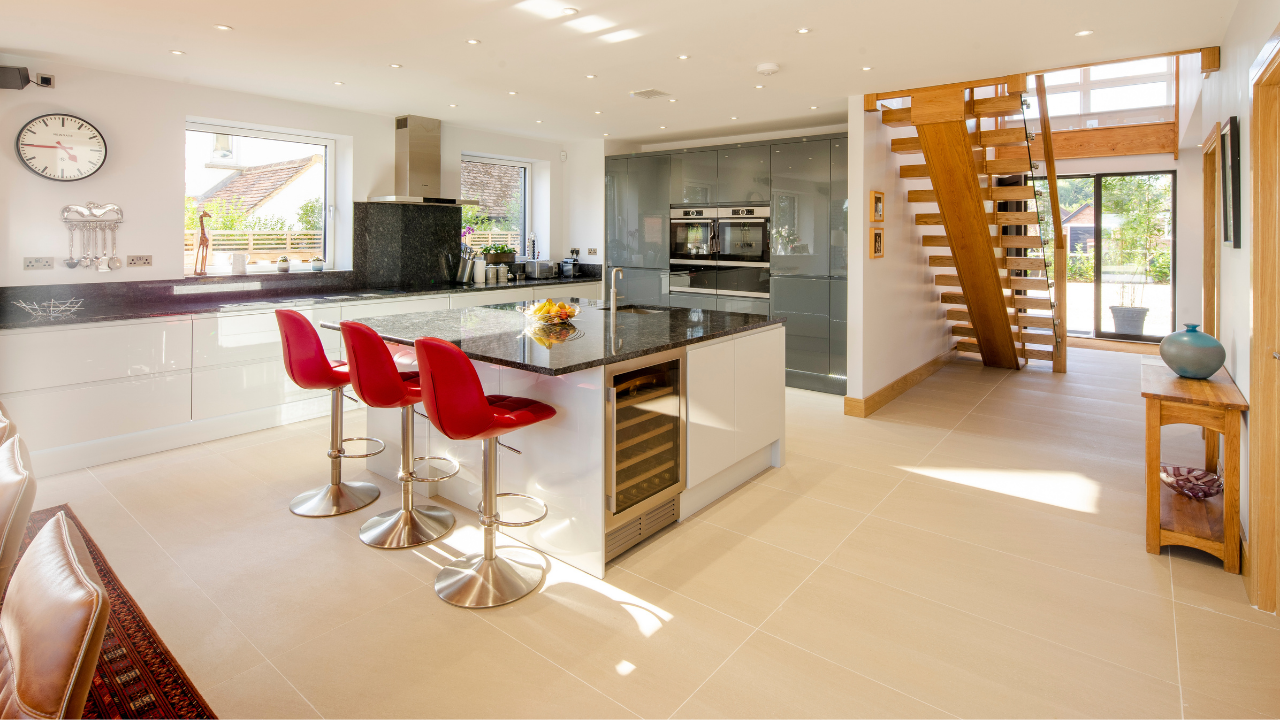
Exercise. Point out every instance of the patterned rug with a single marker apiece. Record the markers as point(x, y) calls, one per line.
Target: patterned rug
point(137, 676)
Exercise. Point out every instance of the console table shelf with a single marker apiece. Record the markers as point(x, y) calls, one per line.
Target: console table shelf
point(1214, 404)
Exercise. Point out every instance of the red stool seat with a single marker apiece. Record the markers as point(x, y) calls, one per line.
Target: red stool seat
point(458, 407)
point(309, 367)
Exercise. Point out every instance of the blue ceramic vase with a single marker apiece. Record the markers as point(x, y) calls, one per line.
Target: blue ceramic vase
point(1192, 354)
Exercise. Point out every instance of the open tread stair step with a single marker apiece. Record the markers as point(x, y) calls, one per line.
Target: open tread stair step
point(1003, 106)
point(1000, 194)
point(1008, 283)
point(1032, 264)
point(1013, 166)
point(1015, 319)
point(1030, 338)
point(1004, 137)
point(1004, 241)
point(1020, 302)
point(1025, 353)
point(995, 218)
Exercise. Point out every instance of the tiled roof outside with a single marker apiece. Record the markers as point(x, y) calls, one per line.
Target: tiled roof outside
point(254, 185)
point(490, 184)
point(1082, 216)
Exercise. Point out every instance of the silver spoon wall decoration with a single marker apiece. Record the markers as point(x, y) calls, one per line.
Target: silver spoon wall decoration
point(71, 260)
point(114, 263)
point(93, 221)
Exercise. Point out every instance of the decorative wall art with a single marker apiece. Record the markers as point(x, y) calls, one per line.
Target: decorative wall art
point(877, 206)
point(876, 244)
point(1229, 146)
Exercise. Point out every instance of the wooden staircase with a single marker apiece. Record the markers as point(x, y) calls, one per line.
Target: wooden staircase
point(992, 273)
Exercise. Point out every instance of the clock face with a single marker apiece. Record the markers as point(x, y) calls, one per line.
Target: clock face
point(61, 147)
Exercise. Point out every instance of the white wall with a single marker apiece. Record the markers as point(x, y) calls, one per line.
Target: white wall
point(143, 122)
point(585, 208)
point(1189, 260)
point(752, 137)
point(896, 323)
point(1226, 93)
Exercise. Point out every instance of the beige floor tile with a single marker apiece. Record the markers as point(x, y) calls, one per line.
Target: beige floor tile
point(244, 440)
point(1128, 428)
point(1198, 579)
point(1100, 552)
point(260, 692)
point(1106, 494)
point(205, 641)
point(1227, 658)
point(941, 397)
point(63, 488)
point(956, 662)
point(284, 580)
point(769, 678)
point(1119, 406)
point(644, 646)
point(1040, 437)
point(790, 521)
point(739, 576)
point(971, 371)
point(290, 464)
point(1198, 706)
point(953, 384)
point(1098, 618)
point(1079, 385)
point(842, 449)
point(829, 482)
point(421, 657)
point(182, 457)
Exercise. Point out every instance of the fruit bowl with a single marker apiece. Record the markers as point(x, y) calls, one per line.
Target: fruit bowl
point(549, 312)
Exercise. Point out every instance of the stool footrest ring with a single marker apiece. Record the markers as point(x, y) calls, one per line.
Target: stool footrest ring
point(496, 521)
point(343, 454)
point(441, 478)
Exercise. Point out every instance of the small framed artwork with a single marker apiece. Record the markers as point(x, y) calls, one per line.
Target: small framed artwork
point(1229, 148)
point(876, 245)
point(877, 206)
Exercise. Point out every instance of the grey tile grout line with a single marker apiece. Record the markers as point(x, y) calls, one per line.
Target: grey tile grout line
point(1177, 650)
point(563, 669)
point(206, 595)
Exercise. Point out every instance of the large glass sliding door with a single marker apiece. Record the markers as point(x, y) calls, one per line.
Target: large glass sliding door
point(1120, 286)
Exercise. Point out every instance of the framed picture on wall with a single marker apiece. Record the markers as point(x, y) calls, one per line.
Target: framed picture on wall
point(1229, 148)
point(877, 206)
point(876, 245)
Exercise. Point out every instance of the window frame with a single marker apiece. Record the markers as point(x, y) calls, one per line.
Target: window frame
point(522, 246)
point(330, 186)
point(1087, 84)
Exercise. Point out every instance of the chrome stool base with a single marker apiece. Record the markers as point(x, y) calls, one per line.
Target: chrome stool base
point(331, 500)
point(476, 582)
point(401, 528)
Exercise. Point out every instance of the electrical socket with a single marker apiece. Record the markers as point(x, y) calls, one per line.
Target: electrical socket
point(138, 261)
point(591, 251)
point(37, 263)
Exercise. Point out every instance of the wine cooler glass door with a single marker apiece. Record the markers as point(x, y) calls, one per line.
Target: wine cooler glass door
point(648, 434)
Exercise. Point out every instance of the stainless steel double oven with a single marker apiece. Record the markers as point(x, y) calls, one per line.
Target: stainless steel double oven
point(720, 258)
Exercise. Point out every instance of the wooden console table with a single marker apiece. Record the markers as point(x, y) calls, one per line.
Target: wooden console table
point(1211, 525)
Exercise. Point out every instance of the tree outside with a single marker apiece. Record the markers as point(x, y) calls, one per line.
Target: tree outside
point(1137, 238)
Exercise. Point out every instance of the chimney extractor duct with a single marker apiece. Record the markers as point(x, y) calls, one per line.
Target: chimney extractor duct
point(417, 162)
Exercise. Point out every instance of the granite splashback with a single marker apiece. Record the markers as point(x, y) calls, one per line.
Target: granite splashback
point(407, 246)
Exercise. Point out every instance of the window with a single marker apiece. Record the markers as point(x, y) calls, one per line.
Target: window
point(1128, 96)
point(1067, 103)
point(1123, 93)
point(265, 194)
point(501, 189)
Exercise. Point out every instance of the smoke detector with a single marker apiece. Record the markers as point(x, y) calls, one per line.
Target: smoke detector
point(767, 68)
point(649, 94)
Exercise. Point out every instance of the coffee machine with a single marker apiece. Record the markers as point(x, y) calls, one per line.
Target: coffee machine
point(569, 266)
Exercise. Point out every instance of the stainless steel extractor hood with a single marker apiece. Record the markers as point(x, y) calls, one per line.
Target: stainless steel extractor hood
point(417, 162)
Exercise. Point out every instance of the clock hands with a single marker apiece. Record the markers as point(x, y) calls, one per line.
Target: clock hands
point(59, 146)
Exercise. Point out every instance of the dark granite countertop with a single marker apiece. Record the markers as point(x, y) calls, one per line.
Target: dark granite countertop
point(501, 335)
point(126, 305)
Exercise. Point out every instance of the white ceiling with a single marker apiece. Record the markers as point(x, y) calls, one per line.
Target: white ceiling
point(297, 50)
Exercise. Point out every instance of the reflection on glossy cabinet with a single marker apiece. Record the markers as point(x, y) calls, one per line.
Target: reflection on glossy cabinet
point(33, 359)
point(642, 287)
point(637, 211)
point(490, 297)
point(800, 219)
point(693, 178)
point(742, 175)
point(585, 291)
point(67, 416)
point(840, 207)
point(245, 337)
point(806, 304)
point(355, 311)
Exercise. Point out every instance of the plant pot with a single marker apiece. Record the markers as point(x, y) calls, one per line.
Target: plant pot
point(1192, 354)
point(499, 258)
point(1129, 320)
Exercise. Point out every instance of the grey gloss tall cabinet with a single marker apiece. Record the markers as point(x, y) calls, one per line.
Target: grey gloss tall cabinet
point(637, 226)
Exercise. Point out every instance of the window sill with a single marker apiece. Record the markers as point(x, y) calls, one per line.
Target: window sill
point(258, 270)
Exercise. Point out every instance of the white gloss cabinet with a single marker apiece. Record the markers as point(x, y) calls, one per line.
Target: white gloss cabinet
point(52, 357)
point(246, 337)
point(490, 297)
point(355, 311)
point(59, 417)
point(712, 410)
point(760, 389)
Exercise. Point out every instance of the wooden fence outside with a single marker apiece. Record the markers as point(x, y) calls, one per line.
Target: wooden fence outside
point(264, 245)
point(478, 240)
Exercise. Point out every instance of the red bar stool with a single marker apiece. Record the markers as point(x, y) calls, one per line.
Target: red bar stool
point(458, 407)
point(375, 379)
point(309, 368)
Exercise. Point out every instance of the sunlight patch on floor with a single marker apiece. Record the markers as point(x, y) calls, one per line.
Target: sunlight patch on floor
point(649, 618)
point(1069, 490)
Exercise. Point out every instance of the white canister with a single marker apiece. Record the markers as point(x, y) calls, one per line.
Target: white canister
point(503, 273)
point(239, 263)
point(479, 273)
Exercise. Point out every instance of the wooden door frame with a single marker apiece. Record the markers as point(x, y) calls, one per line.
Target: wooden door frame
point(1263, 546)
point(1209, 290)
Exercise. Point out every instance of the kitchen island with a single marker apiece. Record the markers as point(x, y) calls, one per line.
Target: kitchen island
point(660, 411)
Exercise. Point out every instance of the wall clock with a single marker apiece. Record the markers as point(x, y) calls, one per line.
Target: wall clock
point(61, 147)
